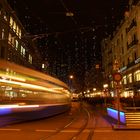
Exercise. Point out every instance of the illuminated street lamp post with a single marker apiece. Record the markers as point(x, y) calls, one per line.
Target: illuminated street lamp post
point(70, 81)
point(117, 77)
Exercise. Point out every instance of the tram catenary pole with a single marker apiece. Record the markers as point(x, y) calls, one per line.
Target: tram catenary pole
point(117, 78)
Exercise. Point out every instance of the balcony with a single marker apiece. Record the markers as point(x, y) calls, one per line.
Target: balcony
point(133, 23)
point(134, 42)
point(131, 64)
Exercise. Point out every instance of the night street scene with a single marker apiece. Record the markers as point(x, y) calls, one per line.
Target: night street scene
point(69, 70)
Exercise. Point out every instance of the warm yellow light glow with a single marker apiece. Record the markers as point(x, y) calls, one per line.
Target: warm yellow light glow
point(12, 77)
point(105, 85)
point(18, 106)
point(29, 85)
point(71, 77)
point(69, 14)
point(88, 91)
point(94, 89)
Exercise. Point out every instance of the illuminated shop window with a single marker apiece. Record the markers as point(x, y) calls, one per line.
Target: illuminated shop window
point(43, 66)
point(137, 75)
point(124, 80)
point(2, 34)
point(130, 78)
point(30, 58)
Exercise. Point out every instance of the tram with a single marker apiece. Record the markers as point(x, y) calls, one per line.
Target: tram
point(21, 86)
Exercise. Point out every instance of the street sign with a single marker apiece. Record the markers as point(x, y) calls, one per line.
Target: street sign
point(117, 77)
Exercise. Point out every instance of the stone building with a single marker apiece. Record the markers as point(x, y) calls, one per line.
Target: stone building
point(15, 45)
point(123, 47)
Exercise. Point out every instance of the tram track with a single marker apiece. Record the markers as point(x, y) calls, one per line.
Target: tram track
point(59, 130)
point(84, 116)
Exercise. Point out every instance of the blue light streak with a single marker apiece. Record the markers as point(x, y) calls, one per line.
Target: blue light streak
point(4, 111)
point(114, 114)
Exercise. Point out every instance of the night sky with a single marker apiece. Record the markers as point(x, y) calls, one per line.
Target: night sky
point(49, 16)
point(61, 36)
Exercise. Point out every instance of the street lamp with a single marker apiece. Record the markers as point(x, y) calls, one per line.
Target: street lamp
point(70, 81)
point(94, 89)
point(71, 77)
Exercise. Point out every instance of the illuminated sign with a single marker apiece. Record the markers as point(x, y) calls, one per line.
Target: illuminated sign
point(117, 77)
point(114, 114)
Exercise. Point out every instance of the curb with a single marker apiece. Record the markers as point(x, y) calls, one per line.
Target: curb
point(124, 127)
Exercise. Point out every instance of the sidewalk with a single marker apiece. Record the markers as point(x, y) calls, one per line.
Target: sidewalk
point(114, 123)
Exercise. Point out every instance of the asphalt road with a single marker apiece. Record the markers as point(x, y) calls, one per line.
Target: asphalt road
point(82, 122)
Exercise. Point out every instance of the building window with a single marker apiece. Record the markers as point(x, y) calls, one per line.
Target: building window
point(14, 26)
point(9, 38)
point(134, 37)
point(2, 34)
point(13, 40)
point(11, 22)
point(30, 59)
point(43, 66)
point(130, 78)
point(135, 55)
point(118, 42)
point(124, 80)
point(5, 15)
point(128, 60)
point(16, 46)
point(19, 33)
point(137, 75)
point(22, 51)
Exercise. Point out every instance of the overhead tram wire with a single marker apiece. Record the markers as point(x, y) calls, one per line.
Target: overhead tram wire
point(39, 36)
point(64, 5)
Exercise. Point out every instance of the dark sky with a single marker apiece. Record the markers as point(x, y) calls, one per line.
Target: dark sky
point(49, 16)
point(95, 19)
point(71, 41)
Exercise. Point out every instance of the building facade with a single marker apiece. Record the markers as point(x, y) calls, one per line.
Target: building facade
point(123, 48)
point(14, 44)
